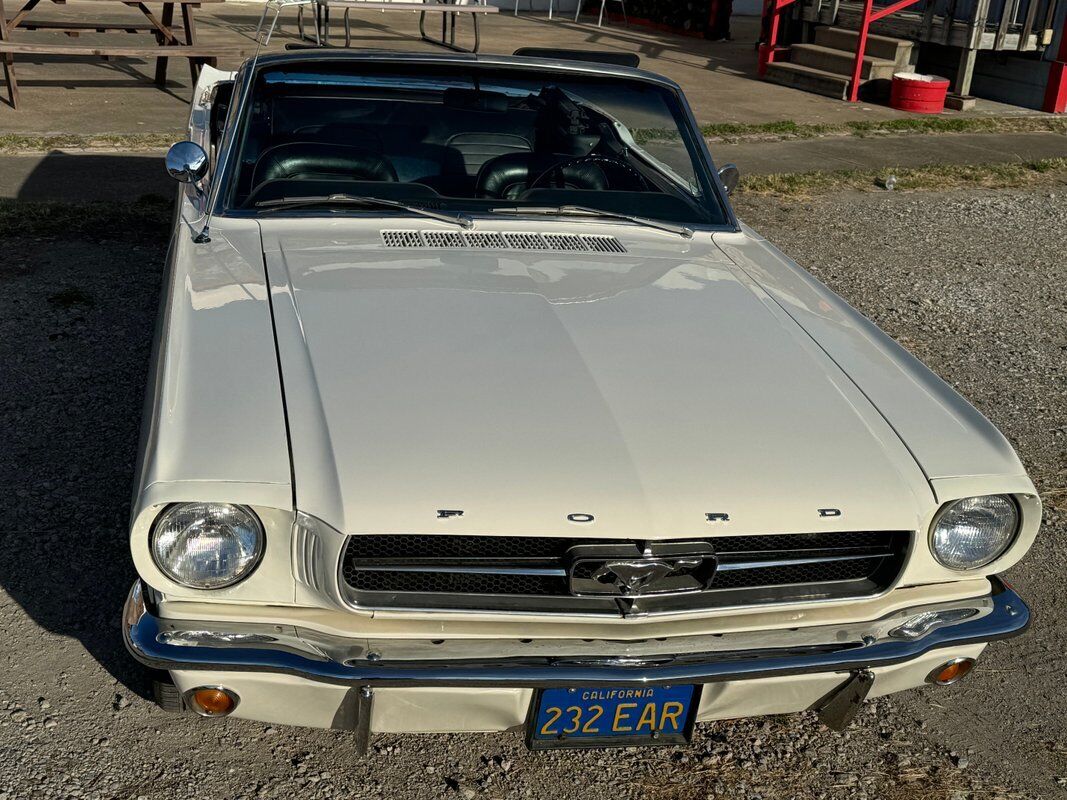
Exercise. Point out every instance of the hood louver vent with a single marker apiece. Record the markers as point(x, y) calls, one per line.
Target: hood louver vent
point(483, 240)
point(564, 241)
point(443, 239)
point(604, 244)
point(525, 241)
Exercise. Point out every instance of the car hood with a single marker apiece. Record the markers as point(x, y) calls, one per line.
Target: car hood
point(553, 393)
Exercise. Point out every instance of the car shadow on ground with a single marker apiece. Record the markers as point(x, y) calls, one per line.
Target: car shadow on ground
point(78, 298)
point(83, 177)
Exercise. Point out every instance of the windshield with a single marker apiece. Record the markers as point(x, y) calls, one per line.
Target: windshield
point(467, 138)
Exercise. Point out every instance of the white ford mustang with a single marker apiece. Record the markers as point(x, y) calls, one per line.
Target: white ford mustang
point(474, 408)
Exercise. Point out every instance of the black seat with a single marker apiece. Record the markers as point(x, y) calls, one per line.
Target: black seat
point(477, 149)
point(509, 176)
point(318, 161)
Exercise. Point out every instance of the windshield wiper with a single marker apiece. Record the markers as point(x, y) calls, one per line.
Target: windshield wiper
point(587, 211)
point(283, 203)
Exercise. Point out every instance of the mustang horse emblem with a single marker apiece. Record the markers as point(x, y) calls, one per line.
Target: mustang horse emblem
point(635, 577)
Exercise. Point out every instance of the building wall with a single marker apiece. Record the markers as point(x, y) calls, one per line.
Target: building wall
point(1018, 79)
point(1004, 76)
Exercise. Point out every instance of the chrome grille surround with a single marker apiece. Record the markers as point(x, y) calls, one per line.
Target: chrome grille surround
point(534, 574)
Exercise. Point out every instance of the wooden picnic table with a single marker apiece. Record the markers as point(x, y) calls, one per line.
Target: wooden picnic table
point(161, 26)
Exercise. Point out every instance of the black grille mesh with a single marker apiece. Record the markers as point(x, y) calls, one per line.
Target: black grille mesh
point(822, 572)
point(791, 542)
point(441, 570)
point(429, 545)
point(454, 583)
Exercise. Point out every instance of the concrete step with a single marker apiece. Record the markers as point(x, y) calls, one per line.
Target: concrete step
point(899, 51)
point(840, 62)
point(808, 79)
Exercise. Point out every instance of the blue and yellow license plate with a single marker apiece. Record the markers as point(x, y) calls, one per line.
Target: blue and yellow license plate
point(607, 716)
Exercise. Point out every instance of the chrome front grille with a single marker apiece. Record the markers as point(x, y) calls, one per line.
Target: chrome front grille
point(550, 574)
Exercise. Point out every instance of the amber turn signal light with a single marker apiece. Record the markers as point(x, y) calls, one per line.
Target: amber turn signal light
point(211, 701)
point(951, 671)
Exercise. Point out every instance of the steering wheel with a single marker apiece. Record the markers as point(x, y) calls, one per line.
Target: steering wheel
point(601, 161)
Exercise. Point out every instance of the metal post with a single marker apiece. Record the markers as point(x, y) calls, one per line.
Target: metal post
point(363, 711)
point(1056, 89)
point(767, 49)
point(861, 49)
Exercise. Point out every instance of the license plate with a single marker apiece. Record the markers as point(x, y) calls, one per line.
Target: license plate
point(611, 716)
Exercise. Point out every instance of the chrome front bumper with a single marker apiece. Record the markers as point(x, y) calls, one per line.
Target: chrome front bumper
point(170, 645)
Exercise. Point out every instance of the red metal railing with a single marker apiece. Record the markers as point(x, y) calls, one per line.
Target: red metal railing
point(770, 50)
point(869, 15)
point(1056, 90)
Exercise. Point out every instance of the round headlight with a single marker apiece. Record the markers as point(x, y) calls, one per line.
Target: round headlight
point(970, 533)
point(207, 545)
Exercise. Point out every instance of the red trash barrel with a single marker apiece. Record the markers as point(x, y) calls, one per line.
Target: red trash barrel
point(921, 94)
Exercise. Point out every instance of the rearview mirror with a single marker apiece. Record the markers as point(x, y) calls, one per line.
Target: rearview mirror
point(729, 174)
point(187, 162)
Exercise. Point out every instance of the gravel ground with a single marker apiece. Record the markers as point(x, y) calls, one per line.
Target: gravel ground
point(973, 283)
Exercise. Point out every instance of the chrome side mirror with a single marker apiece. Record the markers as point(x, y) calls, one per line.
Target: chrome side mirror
point(729, 174)
point(187, 162)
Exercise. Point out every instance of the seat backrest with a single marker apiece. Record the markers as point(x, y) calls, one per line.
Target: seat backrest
point(478, 148)
point(509, 176)
point(318, 160)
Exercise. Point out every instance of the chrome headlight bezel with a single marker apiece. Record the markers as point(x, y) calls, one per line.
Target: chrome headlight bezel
point(1010, 533)
point(246, 568)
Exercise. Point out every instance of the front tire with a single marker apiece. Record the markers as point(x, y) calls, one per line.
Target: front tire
point(165, 693)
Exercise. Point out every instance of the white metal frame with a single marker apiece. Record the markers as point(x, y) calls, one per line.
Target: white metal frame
point(600, 19)
point(550, 4)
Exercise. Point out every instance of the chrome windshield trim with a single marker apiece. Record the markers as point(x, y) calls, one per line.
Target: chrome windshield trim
point(1005, 615)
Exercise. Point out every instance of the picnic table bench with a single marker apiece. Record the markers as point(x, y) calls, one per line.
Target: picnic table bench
point(168, 44)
